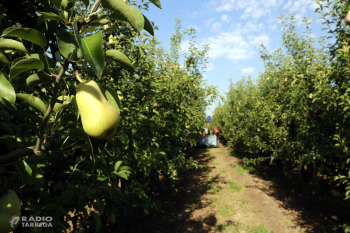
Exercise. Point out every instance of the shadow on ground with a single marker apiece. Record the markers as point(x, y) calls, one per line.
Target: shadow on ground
point(321, 207)
point(192, 185)
point(322, 212)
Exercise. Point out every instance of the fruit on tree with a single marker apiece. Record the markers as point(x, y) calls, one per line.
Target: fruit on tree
point(120, 95)
point(310, 95)
point(10, 211)
point(105, 27)
point(347, 18)
point(111, 40)
point(212, 95)
point(99, 118)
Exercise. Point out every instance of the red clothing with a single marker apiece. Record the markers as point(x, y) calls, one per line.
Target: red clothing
point(216, 130)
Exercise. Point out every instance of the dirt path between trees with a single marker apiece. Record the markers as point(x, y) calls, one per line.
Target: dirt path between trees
point(223, 197)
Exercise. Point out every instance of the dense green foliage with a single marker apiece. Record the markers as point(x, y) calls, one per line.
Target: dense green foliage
point(296, 114)
point(42, 57)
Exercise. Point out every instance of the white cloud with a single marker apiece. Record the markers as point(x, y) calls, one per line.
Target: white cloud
point(210, 66)
point(225, 18)
point(247, 70)
point(261, 26)
point(216, 26)
point(312, 35)
point(253, 9)
point(272, 27)
point(258, 40)
point(231, 45)
point(208, 21)
point(227, 6)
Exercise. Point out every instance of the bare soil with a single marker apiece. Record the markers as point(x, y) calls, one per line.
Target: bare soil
point(220, 199)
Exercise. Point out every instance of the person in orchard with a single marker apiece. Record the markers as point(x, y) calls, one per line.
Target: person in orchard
point(203, 132)
point(217, 133)
point(208, 120)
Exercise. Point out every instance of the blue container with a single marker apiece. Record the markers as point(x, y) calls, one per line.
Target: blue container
point(203, 142)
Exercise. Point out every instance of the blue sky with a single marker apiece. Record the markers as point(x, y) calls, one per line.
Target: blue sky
point(234, 29)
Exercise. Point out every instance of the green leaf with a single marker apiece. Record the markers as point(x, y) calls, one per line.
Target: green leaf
point(64, 3)
point(97, 20)
point(24, 170)
point(68, 46)
point(97, 221)
point(39, 78)
point(140, 51)
point(121, 58)
point(121, 175)
point(90, 29)
point(157, 3)
point(23, 64)
point(48, 62)
point(117, 164)
point(8, 44)
point(126, 168)
point(140, 20)
point(34, 101)
point(120, 11)
point(93, 52)
point(66, 100)
point(48, 16)
point(6, 90)
point(99, 23)
point(6, 127)
point(102, 178)
point(126, 172)
point(4, 60)
point(28, 34)
point(148, 26)
point(112, 98)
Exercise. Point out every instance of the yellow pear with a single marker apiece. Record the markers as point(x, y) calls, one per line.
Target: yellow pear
point(120, 95)
point(99, 118)
point(10, 211)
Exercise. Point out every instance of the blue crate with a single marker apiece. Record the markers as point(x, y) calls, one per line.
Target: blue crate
point(203, 142)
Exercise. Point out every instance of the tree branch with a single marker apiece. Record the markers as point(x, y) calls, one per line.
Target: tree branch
point(19, 153)
point(37, 149)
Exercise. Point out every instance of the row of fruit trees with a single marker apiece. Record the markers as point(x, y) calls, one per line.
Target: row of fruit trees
point(94, 115)
point(297, 113)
